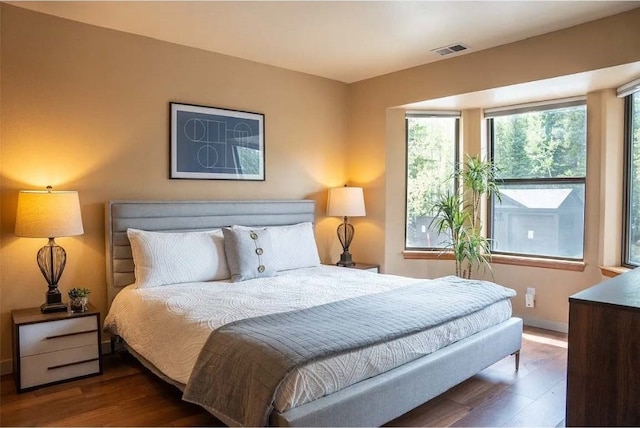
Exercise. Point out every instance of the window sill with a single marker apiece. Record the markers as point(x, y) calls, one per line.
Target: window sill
point(427, 255)
point(577, 266)
point(613, 271)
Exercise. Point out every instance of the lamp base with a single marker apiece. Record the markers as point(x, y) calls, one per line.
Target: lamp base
point(51, 261)
point(53, 303)
point(54, 307)
point(345, 260)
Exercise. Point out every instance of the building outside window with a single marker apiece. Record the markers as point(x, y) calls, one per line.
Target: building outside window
point(540, 152)
point(432, 153)
point(631, 241)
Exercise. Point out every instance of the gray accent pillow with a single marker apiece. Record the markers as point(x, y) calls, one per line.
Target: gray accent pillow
point(249, 253)
point(294, 246)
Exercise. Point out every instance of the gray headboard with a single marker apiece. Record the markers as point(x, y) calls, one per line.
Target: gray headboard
point(183, 216)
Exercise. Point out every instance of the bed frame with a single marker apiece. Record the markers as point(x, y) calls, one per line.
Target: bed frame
point(371, 402)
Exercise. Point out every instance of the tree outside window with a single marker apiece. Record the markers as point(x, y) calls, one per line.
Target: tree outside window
point(432, 150)
point(540, 157)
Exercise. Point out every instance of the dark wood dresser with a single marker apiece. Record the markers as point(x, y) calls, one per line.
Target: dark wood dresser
point(603, 369)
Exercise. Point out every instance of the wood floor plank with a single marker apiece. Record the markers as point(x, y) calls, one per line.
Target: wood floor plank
point(475, 391)
point(48, 413)
point(197, 420)
point(30, 400)
point(540, 381)
point(95, 417)
point(127, 394)
point(548, 411)
point(438, 412)
point(495, 411)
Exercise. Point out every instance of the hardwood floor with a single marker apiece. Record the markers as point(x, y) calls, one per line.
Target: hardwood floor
point(128, 395)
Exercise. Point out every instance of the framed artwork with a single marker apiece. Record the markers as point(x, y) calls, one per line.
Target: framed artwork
point(216, 144)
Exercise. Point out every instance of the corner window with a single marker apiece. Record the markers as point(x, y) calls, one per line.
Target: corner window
point(432, 153)
point(631, 250)
point(540, 152)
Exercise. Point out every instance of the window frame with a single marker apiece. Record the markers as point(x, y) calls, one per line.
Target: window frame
point(456, 158)
point(490, 115)
point(627, 180)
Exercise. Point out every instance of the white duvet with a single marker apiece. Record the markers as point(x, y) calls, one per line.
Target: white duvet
point(169, 325)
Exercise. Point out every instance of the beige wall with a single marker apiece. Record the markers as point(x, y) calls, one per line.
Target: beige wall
point(85, 108)
point(377, 150)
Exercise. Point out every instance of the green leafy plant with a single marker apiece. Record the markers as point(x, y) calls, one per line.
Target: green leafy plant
point(76, 293)
point(458, 216)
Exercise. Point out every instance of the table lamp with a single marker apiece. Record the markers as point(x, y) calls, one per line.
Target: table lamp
point(49, 214)
point(345, 202)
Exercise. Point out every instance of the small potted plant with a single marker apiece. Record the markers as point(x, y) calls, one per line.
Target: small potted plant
point(78, 299)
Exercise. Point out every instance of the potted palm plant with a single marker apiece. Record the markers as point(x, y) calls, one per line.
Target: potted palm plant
point(458, 215)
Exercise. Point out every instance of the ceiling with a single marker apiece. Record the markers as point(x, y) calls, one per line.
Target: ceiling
point(346, 41)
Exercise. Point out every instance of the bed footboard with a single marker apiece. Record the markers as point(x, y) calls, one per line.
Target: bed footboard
point(383, 398)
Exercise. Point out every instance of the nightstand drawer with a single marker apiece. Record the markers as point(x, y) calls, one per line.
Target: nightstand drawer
point(57, 335)
point(51, 367)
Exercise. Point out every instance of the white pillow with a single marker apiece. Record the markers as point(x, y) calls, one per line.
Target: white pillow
point(176, 257)
point(294, 246)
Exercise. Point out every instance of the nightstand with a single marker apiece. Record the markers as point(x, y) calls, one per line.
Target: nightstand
point(54, 347)
point(364, 266)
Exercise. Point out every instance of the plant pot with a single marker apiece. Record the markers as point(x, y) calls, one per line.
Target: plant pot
point(78, 304)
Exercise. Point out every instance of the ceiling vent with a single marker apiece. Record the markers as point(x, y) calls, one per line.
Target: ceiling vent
point(451, 49)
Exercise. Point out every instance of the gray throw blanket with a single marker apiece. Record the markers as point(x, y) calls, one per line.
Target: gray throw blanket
point(241, 366)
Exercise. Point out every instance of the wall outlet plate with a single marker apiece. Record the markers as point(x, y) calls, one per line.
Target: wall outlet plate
point(529, 300)
point(531, 290)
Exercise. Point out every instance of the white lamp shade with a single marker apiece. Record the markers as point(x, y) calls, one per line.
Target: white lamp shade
point(48, 214)
point(346, 202)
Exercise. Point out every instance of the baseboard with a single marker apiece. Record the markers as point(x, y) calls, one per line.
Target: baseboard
point(6, 366)
point(561, 327)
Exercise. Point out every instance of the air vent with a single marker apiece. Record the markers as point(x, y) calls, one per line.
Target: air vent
point(451, 49)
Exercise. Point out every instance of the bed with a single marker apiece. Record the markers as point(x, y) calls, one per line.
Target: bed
point(378, 393)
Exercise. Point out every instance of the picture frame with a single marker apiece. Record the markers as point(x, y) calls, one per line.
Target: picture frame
point(211, 143)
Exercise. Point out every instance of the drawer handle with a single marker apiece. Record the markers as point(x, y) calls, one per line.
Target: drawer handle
point(72, 364)
point(71, 334)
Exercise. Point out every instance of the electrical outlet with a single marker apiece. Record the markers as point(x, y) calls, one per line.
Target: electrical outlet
point(531, 290)
point(530, 300)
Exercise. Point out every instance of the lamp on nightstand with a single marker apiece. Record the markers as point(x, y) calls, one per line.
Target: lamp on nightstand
point(49, 214)
point(345, 202)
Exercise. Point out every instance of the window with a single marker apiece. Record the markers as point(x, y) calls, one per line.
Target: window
point(540, 153)
point(432, 152)
point(631, 250)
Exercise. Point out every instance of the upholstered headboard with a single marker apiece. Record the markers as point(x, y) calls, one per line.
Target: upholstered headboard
point(183, 216)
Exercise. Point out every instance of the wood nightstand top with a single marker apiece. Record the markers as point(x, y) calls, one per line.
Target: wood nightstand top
point(361, 266)
point(35, 315)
